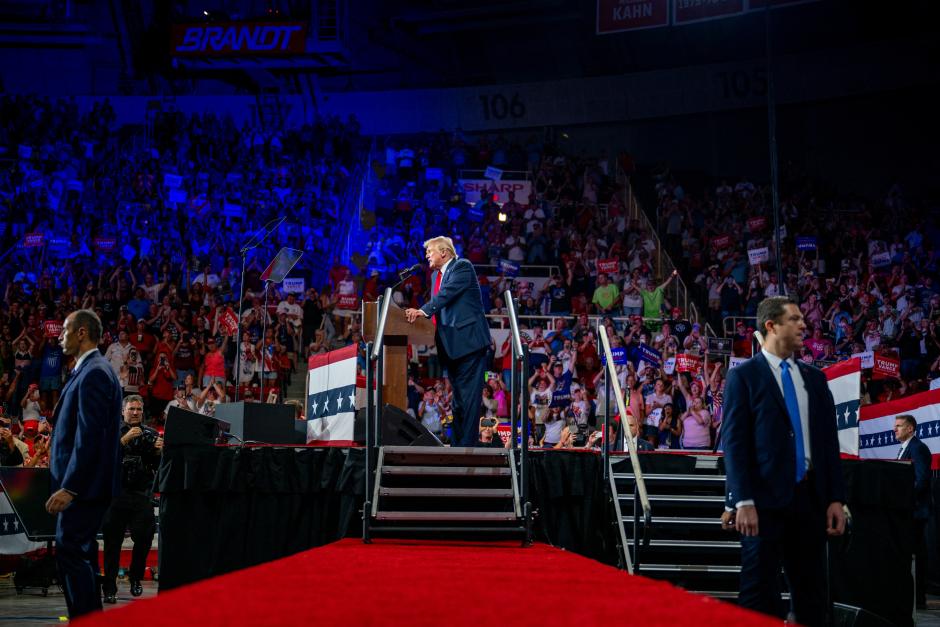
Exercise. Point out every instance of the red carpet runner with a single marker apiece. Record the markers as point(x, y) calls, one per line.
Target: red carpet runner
point(392, 583)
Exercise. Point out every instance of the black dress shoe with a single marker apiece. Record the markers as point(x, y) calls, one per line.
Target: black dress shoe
point(110, 598)
point(136, 588)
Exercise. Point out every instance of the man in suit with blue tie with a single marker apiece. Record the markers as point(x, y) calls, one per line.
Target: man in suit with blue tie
point(784, 478)
point(462, 335)
point(912, 449)
point(84, 461)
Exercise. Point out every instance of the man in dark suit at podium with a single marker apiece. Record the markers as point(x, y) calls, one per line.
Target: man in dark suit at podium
point(462, 335)
point(784, 477)
point(905, 426)
point(84, 461)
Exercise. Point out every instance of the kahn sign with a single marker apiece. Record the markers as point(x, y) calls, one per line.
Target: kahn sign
point(238, 38)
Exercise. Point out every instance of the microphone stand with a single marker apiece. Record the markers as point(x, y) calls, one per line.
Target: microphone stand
point(264, 327)
point(405, 275)
point(256, 240)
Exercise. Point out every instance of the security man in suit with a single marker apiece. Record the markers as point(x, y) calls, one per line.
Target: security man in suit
point(917, 452)
point(84, 461)
point(784, 477)
point(462, 336)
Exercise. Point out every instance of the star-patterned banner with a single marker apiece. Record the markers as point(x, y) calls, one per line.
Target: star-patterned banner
point(13, 540)
point(876, 426)
point(331, 396)
point(845, 381)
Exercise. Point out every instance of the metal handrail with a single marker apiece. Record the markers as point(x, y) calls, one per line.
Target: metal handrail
point(610, 372)
point(520, 413)
point(681, 289)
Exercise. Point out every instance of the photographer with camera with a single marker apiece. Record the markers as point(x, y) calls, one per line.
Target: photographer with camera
point(133, 509)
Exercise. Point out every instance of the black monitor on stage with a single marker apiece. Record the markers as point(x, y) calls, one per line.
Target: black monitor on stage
point(28, 490)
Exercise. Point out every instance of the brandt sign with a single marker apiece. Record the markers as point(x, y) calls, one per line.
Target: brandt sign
point(238, 39)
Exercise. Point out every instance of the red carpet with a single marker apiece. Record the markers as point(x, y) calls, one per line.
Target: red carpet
point(419, 583)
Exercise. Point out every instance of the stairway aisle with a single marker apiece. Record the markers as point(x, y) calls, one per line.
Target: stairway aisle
point(687, 545)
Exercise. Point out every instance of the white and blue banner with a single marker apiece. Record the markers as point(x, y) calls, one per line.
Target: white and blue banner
point(845, 381)
point(13, 540)
point(876, 427)
point(331, 397)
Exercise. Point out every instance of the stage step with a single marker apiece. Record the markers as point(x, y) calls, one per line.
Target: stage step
point(475, 493)
point(695, 544)
point(690, 568)
point(428, 491)
point(678, 478)
point(687, 499)
point(446, 516)
point(448, 471)
point(685, 543)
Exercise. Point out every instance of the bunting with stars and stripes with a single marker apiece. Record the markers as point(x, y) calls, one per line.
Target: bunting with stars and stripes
point(331, 397)
point(13, 540)
point(845, 383)
point(876, 427)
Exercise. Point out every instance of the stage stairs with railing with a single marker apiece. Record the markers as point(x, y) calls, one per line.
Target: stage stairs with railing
point(467, 493)
point(685, 543)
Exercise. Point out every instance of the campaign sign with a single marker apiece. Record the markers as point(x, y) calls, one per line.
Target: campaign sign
point(669, 366)
point(475, 214)
point(867, 357)
point(736, 361)
point(721, 241)
point(105, 244)
point(881, 260)
point(608, 266)
point(494, 174)
point(757, 224)
point(619, 354)
point(293, 286)
point(649, 354)
point(688, 363)
point(52, 328)
point(348, 301)
point(758, 255)
point(806, 242)
point(33, 240)
point(228, 320)
point(508, 268)
point(886, 367)
point(719, 345)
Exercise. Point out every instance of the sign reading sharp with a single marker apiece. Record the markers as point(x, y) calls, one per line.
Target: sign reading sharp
point(238, 38)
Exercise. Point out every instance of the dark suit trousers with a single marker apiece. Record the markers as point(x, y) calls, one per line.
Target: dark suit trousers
point(133, 511)
point(466, 377)
point(76, 555)
point(794, 537)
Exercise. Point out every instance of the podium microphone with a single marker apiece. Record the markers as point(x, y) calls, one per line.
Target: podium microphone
point(405, 274)
point(407, 271)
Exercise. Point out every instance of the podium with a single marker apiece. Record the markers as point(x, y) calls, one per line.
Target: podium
point(399, 333)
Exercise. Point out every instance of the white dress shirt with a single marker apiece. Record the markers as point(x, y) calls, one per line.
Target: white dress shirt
point(83, 357)
point(802, 396)
point(443, 269)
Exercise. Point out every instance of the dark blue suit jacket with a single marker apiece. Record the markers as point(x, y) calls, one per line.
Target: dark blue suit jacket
point(758, 439)
point(86, 452)
point(917, 452)
point(461, 322)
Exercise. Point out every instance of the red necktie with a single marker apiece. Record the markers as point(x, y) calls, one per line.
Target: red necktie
point(437, 288)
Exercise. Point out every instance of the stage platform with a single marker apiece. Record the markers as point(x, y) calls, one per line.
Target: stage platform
point(229, 508)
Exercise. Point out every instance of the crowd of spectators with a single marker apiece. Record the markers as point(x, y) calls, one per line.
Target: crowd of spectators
point(143, 224)
point(864, 273)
